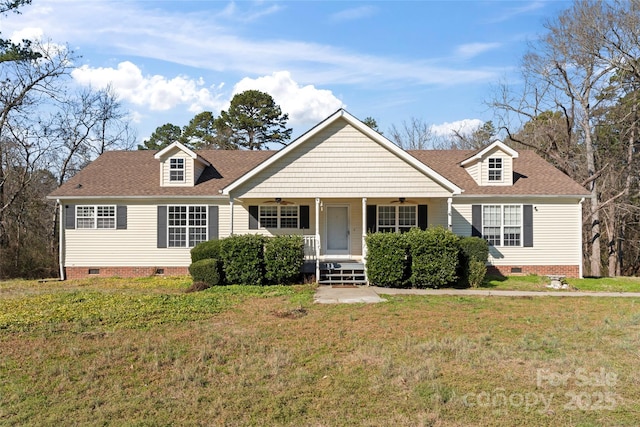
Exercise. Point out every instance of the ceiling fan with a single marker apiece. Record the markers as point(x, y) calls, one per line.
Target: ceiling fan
point(403, 200)
point(279, 201)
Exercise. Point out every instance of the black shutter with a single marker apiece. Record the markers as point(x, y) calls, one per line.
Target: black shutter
point(476, 220)
point(304, 217)
point(213, 223)
point(422, 217)
point(70, 217)
point(162, 226)
point(253, 218)
point(121, 217)
point(372, 218)
point(527, 231)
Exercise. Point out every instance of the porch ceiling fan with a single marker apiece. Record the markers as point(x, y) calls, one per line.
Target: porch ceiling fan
point(279, 201)
point(403, 200)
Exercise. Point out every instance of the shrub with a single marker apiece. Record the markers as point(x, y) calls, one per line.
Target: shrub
point(197, 287)
point(206, 250)
point(477, 271)
point(434, 256)
point(206, 271)
point(387, 260)
point(243, 259)
point(475, 248)
point(283, 259)
point(471, 249)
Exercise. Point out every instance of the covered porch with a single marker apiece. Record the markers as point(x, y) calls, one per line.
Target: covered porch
point(334, 229)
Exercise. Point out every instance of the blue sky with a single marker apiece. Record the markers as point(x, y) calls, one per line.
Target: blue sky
point(167, 60)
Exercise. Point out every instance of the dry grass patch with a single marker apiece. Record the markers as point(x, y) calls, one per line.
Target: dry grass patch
point(411, 361)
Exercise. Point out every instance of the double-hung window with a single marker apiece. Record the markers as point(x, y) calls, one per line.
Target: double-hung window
point(495, 169)
point(502, 224)
point(187, 225)
point(95, 217)
point(279, 216)
point(397, 218)
point(176, 170)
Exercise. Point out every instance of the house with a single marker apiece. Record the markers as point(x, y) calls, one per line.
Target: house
point(138, 213)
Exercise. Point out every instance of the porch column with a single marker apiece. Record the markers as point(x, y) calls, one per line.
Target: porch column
point(231, 216)
point(364, 240)
point(449, 217)
point(317, 239)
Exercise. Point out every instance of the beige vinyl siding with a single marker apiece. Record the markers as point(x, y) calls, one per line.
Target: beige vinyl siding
point(135, 246)
point(556, 233)
point(474, 170)
point(340, 162)
point(188, 170)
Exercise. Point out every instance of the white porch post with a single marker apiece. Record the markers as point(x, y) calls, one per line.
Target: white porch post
point(317, 239)
point(364, 238)
point(230, 216)
point(449, 217)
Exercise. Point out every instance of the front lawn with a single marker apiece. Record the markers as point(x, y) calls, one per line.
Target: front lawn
point(142, 352)
point(539, 283)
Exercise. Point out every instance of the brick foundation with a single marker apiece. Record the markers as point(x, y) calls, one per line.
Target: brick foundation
point(540, 270)
point(84, 272)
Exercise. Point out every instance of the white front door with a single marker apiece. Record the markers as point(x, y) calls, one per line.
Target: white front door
point(337, 230)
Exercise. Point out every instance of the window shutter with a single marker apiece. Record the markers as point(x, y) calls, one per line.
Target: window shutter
point(162, 226)
point(372, 218)
point(213, 223)
point(121, 217)
point(70, 217)
point(476, 220)
point(527, 230)
point(422, 217)
point(304, 217)
point(253, 218)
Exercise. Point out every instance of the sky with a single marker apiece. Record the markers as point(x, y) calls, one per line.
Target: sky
point(437, 61)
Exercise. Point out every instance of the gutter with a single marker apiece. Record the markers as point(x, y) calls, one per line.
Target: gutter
point(61, 240)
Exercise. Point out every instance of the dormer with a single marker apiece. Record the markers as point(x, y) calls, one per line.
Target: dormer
point(492, 165)
point(179, 166)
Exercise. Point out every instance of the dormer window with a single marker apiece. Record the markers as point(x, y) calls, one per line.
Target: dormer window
point(495, 169)
point(176, 170)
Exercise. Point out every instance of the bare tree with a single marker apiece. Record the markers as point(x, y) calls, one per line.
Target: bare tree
point(416, 134)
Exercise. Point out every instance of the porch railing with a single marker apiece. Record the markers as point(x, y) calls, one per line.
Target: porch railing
point(310, 248)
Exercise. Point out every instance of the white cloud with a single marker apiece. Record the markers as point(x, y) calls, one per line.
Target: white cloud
point(353, 14)
point(463, 127)
point(156, 92)
point(470, 50)
point(305, 104)
point(27, 33)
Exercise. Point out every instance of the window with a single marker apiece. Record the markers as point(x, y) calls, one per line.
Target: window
point(176, 170)
point(187, 225)
point(279, 216)
point(502, 224)
point(95, 217)
point(495, 169)
point(397, 218)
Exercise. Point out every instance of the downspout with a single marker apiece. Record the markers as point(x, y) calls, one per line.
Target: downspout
point(581, 261)
point(317, 239)
point(449, 217)
point(364, 238)
point(61, 240)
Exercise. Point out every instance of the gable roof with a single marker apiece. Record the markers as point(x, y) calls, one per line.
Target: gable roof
point(135, 174)
point(481, 153)
point(533, 176)
point(370, 133)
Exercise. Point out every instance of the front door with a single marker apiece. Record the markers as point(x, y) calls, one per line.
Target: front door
point(337, 230)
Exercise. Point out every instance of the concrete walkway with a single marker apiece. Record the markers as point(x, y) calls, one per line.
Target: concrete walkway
point(370, 294)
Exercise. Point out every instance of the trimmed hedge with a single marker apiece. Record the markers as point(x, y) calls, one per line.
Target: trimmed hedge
point(206, 271)
point(387, 259)
point(475, 248)
point(477, 271)
point(283, 259)
point(206, 250)
point(243, 259)
point(434, 257)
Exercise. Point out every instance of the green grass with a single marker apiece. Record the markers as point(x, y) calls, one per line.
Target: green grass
point(154, 355)
point(539, 283)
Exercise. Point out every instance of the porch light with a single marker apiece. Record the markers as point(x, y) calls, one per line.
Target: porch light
point(402, 199)
point(278, 200)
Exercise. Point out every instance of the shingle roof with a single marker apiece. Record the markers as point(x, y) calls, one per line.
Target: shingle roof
point(137, 174)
